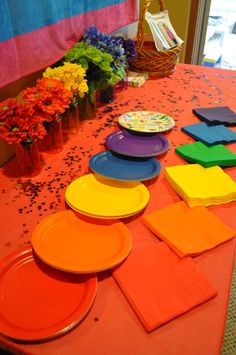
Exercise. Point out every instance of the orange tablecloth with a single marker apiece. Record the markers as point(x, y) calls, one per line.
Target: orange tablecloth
point(111, 327)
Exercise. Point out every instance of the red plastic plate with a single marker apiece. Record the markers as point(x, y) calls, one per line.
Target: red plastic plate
point(38, 302)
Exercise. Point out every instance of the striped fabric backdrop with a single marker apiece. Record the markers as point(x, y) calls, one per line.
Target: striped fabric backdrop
point(36, 33)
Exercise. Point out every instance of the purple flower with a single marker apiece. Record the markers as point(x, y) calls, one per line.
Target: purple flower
point(108, 44)
point(129, 47)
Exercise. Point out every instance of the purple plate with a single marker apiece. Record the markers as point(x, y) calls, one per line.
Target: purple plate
point(136, 144)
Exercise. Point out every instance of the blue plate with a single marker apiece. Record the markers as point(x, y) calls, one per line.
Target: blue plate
point(124, 168)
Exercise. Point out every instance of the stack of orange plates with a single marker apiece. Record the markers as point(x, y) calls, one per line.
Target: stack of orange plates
point(78, 245)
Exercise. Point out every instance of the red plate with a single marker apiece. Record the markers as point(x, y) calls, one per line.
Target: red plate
point(38, 302)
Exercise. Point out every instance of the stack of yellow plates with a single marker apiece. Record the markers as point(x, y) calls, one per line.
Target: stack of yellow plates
point(99, 197)
point(199, 186)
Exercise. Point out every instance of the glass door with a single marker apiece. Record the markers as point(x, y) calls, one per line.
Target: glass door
point(215, 34)
point(220, 41)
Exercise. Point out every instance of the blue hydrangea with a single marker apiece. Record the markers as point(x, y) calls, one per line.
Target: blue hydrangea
point(108, 44)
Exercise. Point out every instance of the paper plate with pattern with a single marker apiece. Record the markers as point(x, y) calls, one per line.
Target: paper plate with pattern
point(146, 121)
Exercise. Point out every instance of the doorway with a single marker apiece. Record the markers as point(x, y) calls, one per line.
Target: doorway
point(220, 41)
point(212, 36)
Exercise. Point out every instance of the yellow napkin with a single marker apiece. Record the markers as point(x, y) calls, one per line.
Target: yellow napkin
point(200, 186)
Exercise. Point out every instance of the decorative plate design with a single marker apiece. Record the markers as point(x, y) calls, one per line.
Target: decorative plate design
point(146, 121)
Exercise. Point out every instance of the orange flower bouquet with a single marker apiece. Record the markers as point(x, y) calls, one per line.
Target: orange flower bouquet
point(49, 98)
point(22, 125)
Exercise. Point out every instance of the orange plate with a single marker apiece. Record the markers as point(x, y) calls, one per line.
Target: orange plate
point(80, 245)
point(38, 302)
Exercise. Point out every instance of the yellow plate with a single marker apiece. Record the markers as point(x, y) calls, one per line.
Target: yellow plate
point(101, 197)
point(103, 217)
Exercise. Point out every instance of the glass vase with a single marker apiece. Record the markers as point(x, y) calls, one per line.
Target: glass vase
point(107, 94)
point(52, 142)
point(87, 106)
point(28, 158)
point(70, 120)
point(123, 84)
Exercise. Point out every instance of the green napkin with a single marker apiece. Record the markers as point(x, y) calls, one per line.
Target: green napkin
point(207, 156)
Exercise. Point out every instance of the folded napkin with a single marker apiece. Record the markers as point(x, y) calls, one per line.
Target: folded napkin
point(199, 186)
point(216, 115)
point(188, 230)
point(207, 156)
point(159, 286)
point(210, 134)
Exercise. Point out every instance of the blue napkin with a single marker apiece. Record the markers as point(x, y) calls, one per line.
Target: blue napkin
point(209, 135)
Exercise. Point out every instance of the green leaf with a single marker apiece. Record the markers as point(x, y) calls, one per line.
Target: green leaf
point(28, 140)
point(121, 72)
point(107, 57)
point(84, 63)
point(96, 59)
point(105, 66)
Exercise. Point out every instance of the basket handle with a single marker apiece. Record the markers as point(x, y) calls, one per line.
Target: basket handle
point(140, 33)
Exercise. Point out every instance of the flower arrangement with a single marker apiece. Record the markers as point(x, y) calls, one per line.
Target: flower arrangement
point(111, 45)
point(48, 98)
point(97, 64)
point(19, 122)
point(129, 48)
point(72, 75)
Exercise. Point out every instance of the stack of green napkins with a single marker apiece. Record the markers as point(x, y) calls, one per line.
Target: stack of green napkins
point(207, 156)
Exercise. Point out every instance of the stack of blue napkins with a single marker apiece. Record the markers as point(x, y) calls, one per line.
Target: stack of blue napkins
point(209, 135)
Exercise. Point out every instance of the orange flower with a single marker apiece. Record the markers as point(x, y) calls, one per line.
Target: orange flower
point(49, 98)
point(19, 122)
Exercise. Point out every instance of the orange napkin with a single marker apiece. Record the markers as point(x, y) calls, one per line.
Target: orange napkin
point(159, 286)
point(188, 230)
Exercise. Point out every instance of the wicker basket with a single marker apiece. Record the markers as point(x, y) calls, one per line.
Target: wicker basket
point(152, 61)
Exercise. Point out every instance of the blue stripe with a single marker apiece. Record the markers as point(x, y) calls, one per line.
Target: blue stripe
point(22, 16)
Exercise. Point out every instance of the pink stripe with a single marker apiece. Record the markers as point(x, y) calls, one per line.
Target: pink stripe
point(28, 53)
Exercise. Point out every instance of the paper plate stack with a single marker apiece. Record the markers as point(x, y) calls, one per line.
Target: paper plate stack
point(115, 190)
point(132, 150)
point(99, 197)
